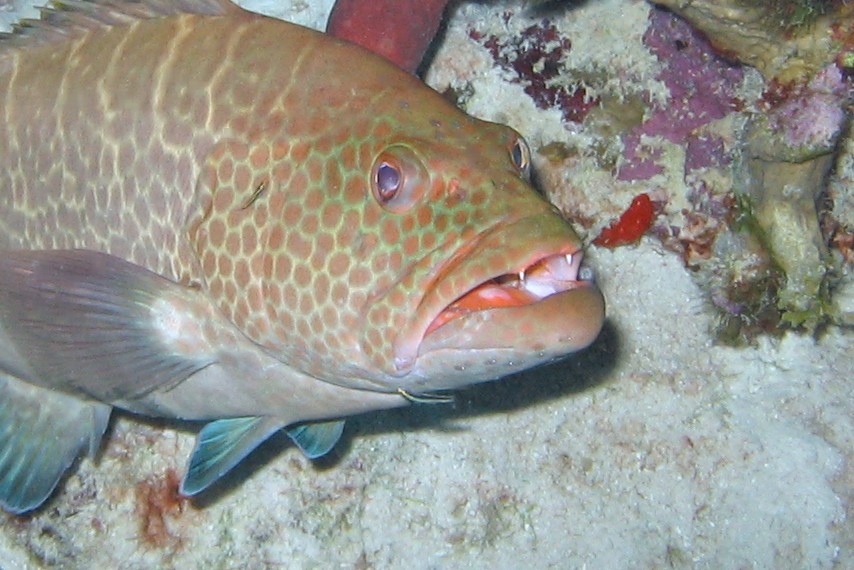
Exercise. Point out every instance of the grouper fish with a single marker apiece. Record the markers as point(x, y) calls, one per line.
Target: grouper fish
point(212, 215)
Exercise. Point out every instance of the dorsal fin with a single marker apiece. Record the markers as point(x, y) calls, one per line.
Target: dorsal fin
point(65, 19)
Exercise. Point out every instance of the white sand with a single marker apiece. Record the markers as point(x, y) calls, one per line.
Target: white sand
point(653, 449)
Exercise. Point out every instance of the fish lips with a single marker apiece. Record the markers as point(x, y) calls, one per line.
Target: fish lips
point(558, 324)
point(513, 296)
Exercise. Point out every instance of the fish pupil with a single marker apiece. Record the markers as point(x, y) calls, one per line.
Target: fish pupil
point(518, 153)
point(388, 181)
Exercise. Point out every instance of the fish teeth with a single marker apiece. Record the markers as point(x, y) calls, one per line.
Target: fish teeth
point(568, 258)
point(522, 276)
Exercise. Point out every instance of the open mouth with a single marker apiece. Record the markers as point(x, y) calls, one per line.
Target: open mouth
point(544, 277)
point(512, 289)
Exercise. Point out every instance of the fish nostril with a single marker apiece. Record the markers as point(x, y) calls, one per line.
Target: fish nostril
point(456, 191)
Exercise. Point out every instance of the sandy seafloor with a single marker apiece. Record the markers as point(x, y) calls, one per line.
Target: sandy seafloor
point(656, 448)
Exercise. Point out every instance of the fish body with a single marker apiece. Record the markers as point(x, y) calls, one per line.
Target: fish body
point(212, 215)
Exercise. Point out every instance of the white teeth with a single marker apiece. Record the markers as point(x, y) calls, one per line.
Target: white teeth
point(522, 275)
point(540, 288)
point(569, 258)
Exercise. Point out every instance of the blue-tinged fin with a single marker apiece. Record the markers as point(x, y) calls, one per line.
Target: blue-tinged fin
point(93, 324)
point(221, 445)
point(318, 438)
point(41, 433)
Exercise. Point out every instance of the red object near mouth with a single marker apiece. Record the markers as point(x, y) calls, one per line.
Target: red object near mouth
point(633, 223)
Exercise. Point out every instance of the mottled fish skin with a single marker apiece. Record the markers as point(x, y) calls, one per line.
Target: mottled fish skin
point(240, 158)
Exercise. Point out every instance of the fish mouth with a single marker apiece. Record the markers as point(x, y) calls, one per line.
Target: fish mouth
point(519, 287)
point(544, 277)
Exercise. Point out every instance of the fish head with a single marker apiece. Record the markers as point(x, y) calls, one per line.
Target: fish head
point(482, 271)
point(399, 250)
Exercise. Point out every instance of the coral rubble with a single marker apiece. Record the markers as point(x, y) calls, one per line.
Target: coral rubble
point(787, 40)
point(792, 133)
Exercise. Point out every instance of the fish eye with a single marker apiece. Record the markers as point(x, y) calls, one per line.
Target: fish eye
point(520, 155)
point(398, 178)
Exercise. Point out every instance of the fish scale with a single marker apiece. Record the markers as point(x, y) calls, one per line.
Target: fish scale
point(212, 215)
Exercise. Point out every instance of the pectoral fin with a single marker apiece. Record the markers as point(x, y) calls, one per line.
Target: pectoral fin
point(221, 445)
point(92, 323)
point(316, 439)
point(41, 433)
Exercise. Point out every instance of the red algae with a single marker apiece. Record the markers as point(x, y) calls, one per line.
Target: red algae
point(536, 60)
point(158, 502)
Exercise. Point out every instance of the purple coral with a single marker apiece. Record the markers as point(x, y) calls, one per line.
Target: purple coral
point(705, 151)
point(812, 116)
point(702, 88)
